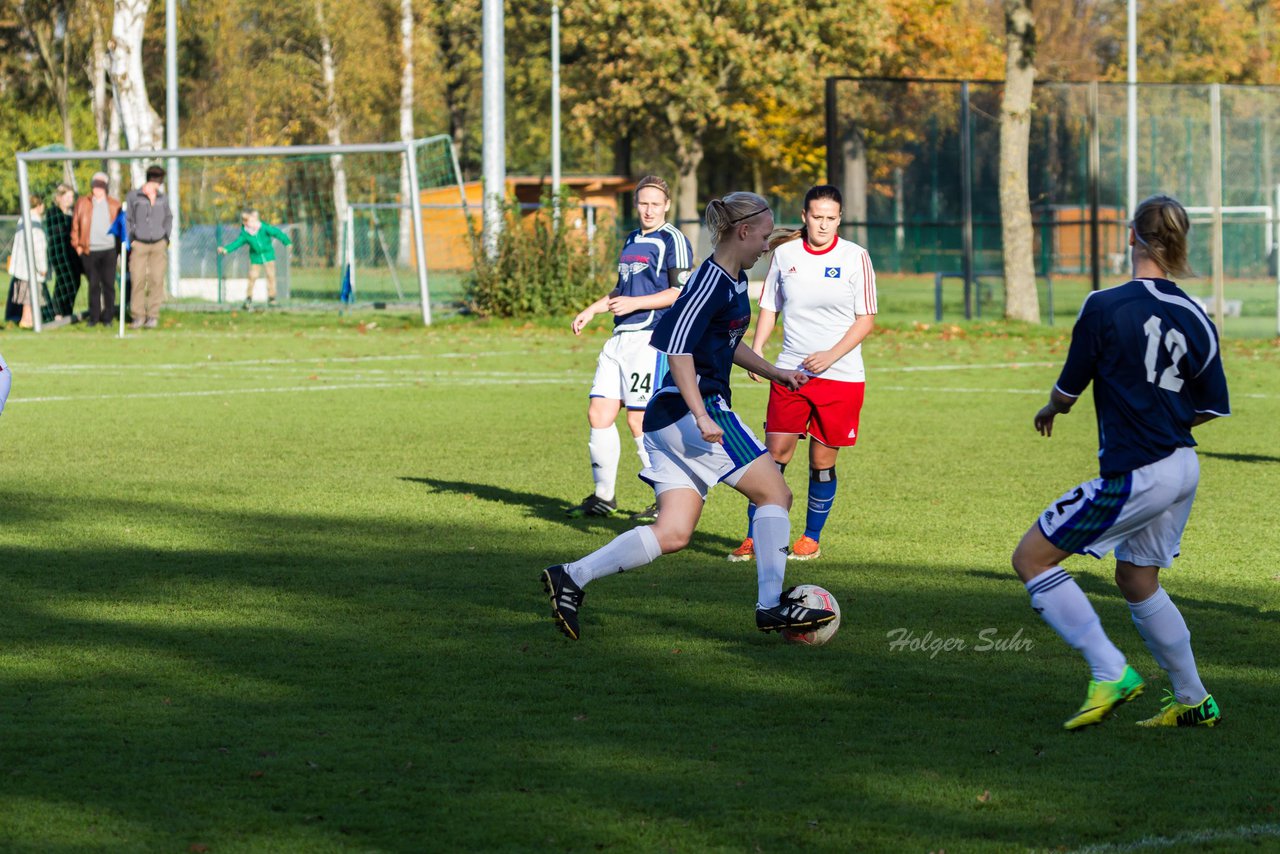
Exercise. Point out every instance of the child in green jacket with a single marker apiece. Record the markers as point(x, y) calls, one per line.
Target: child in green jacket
point(258, 236)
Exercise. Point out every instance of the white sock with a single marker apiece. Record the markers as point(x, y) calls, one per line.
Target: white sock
point(605, 450)
point(772, 535)
point(636, 547)
point(1161, 625)
point(1062, 604)
point(644, 455)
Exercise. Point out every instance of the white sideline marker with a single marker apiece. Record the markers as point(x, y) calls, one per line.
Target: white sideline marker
point(1148, 843)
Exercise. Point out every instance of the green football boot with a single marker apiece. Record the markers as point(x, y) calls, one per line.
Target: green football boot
point(1173, 713)
point(1104, 697)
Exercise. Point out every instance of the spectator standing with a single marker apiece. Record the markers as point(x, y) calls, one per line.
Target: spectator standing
point(63, 260)
point(92, 239)
point(29, 272)
point(149, 219)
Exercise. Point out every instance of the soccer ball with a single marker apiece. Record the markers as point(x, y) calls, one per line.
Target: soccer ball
point(814, 596)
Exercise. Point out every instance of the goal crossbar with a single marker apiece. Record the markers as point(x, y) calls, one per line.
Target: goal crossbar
point(407, 150)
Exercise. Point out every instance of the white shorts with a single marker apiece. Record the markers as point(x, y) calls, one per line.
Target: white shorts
point(1140, 514)
point(628, 369)
point(680, 458)
point(6, 382)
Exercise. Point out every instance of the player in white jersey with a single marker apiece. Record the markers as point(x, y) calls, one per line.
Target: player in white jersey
point(1153, 359)
point(825, 289)
point(6, 382)
point(654, 261)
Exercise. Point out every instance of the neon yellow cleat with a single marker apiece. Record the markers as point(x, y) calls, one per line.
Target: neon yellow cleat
point(1104, 697)
point(1173, 713)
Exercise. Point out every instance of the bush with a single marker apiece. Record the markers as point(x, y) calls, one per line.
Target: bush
point(542, 266)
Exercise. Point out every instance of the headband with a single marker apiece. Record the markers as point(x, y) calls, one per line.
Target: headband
point(749, 216)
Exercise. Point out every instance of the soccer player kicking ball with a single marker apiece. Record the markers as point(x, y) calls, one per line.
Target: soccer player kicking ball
point(1152, 356)
point(654, 261)
point(826, 289)
point(695, 440)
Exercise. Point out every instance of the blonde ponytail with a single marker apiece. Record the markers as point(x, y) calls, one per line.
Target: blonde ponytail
point(722, 215)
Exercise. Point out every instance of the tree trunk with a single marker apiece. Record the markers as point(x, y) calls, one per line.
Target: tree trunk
point(64, 103)
point(99, 63)
point(141, 122)
point(622, 166)
point(55, 62)
point(1021, 300)
point(854, 179)
point(113, 144)
point(407, 194)
point(106, 112)
point(334, 116)
point(689, 153)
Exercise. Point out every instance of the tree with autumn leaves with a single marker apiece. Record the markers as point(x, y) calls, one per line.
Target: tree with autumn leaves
point(716, 95)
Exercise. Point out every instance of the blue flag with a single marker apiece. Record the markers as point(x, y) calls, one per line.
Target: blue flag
point(347, 295)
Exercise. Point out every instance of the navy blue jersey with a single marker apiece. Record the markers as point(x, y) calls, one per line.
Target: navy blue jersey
point(1152, 356)
point(707, 321)
point(647, 265)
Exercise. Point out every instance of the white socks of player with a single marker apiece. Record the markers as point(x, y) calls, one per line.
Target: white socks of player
point(771, 532)
point(605, 449)
point(644, 455)
point(636, 547)
point(1057, 598)
point(1161, 625)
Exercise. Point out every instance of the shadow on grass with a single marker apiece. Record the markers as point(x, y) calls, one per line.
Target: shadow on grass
point(1103, 587)
point(314, 682)
point(551, 509)
point(1240, 458)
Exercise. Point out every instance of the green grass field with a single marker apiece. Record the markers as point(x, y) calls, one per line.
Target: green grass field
point(270, 583)
point(907, 298)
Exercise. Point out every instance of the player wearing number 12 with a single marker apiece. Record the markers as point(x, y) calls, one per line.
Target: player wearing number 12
point(1152, 355)
point(652, 267)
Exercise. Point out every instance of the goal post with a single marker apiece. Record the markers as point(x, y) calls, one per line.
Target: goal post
point(297, 188)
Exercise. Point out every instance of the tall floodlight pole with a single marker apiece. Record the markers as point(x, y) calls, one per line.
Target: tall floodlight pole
point(494, 154)
point(171, 135)
point(555, 108)
point(1133, 109)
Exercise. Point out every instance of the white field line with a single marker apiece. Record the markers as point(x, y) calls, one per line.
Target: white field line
point(1038, 391)
point(211, 362)
point(354, 376)
point(1193, 837)
point(425, 383)
point(998, 366)
point(206, 392)
point(357, 373)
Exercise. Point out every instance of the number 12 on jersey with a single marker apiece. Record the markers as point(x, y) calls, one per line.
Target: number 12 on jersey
point(1176, 343)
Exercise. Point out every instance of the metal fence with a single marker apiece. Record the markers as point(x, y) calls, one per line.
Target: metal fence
point(918, 164)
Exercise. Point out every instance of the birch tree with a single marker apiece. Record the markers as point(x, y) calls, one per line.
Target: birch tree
point(333, 116)
point(141, 123)
point(1021, 300)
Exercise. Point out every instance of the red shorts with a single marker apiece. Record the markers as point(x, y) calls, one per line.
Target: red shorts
point(828, 410)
